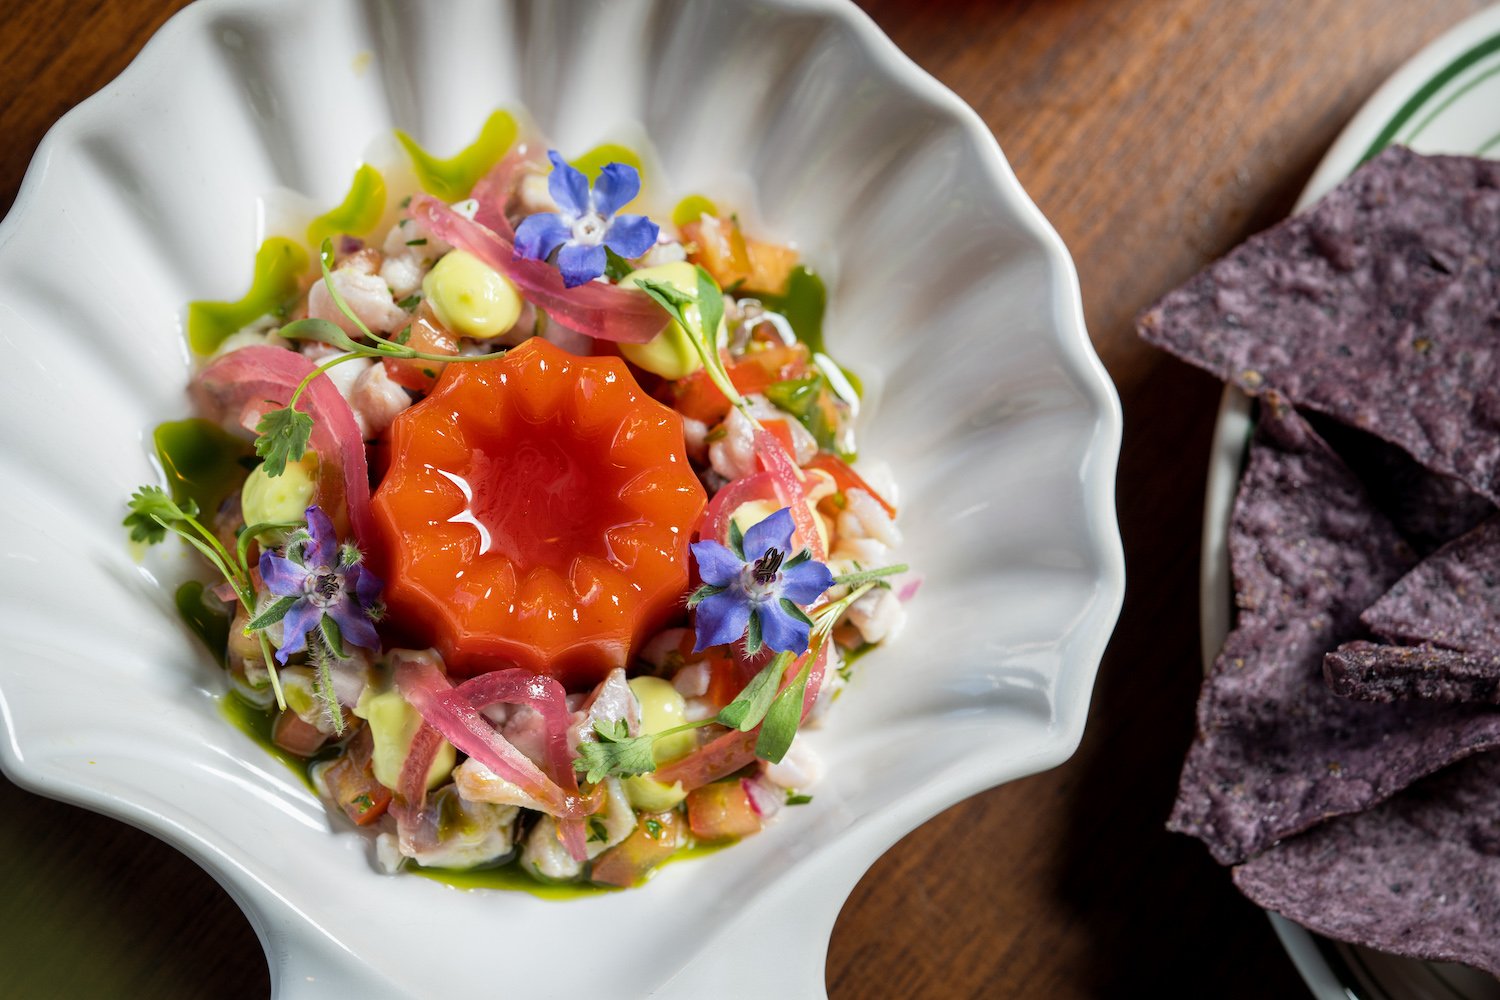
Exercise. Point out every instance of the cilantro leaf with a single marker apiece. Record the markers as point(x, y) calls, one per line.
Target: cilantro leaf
point(283, 438)
point(616, 754)
point(151, 510)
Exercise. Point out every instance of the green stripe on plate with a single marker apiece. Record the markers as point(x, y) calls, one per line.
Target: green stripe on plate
point(1449, 101)
point(1431, 87)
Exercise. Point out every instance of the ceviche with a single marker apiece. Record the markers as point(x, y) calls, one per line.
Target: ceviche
point(531, 521)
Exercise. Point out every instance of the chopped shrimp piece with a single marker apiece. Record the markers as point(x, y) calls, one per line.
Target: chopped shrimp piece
point(878, 615)
point(477, 783)
point(545, 855)
point(484, 832)
point(733, 455)
point(410, 251)
point(610, 702)
point(367, 297)
point(864, 517)
point(376, 400)
point(800, 768)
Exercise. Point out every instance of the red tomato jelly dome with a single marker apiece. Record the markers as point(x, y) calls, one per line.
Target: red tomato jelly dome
point(537, 511)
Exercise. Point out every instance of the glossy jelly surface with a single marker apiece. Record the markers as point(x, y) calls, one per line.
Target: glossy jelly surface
point(537, 511)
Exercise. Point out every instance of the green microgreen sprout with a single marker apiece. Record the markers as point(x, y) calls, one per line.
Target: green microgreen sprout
point(153, 513)
point(702, 328)
point(284, 433)
point(764, 702)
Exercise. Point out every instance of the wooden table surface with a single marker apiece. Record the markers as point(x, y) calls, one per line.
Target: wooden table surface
point(1154, 135)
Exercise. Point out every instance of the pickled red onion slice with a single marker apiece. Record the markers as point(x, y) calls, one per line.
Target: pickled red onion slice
point(254, 379)
point(435, 699)
point(599, 310)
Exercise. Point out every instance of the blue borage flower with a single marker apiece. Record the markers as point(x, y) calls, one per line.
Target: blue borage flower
point(586, 222)
point(317, 581)
point(755, 587)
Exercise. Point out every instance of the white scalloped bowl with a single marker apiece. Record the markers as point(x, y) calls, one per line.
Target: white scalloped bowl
point(949, 292)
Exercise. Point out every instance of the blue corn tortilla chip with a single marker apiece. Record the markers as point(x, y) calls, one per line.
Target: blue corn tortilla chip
point(1418, 875)
point(1451, 599)
point(1371, 672)
point(1428, 509)
point(1380, 306)
point(1276, 751)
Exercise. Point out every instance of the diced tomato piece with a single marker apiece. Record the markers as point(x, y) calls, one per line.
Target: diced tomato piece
point(295, 736)
point(781, 431)
point(656, 838)
point(771, 267)
point(697, 397)
point(845, 478)
point(720, 810)
point(719, 246)
point(351, 782)
point(724, 682)
point(431, 337)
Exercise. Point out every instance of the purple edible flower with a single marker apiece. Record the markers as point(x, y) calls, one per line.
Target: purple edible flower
point(586, 222)
point(326, 579)
point(761, 589)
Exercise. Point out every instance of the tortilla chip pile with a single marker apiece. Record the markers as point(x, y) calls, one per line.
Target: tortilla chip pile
point(1343, 759)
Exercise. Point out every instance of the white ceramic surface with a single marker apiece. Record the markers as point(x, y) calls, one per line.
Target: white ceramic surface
point(1446, 99)
point(950, 293)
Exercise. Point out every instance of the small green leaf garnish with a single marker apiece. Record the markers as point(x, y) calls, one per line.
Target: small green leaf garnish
point(333, 636)
point(702, 329)
point(797, 798)
point(615, 754)
point(409, 303)
point(785, 715)
point(616, 268)
point(151, 511)
point(736, 539)
point(792, 609)
point(710, 308)
point(702, 594)
point(320, 330)
point(753, 634)
point(283, 437)
point(749, 707)
point(865, 576)
point(273, 614)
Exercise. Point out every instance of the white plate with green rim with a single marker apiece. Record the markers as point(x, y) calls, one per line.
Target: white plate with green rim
point(1446, 99)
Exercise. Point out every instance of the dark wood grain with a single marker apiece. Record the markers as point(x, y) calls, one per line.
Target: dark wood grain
point(1154, 135)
